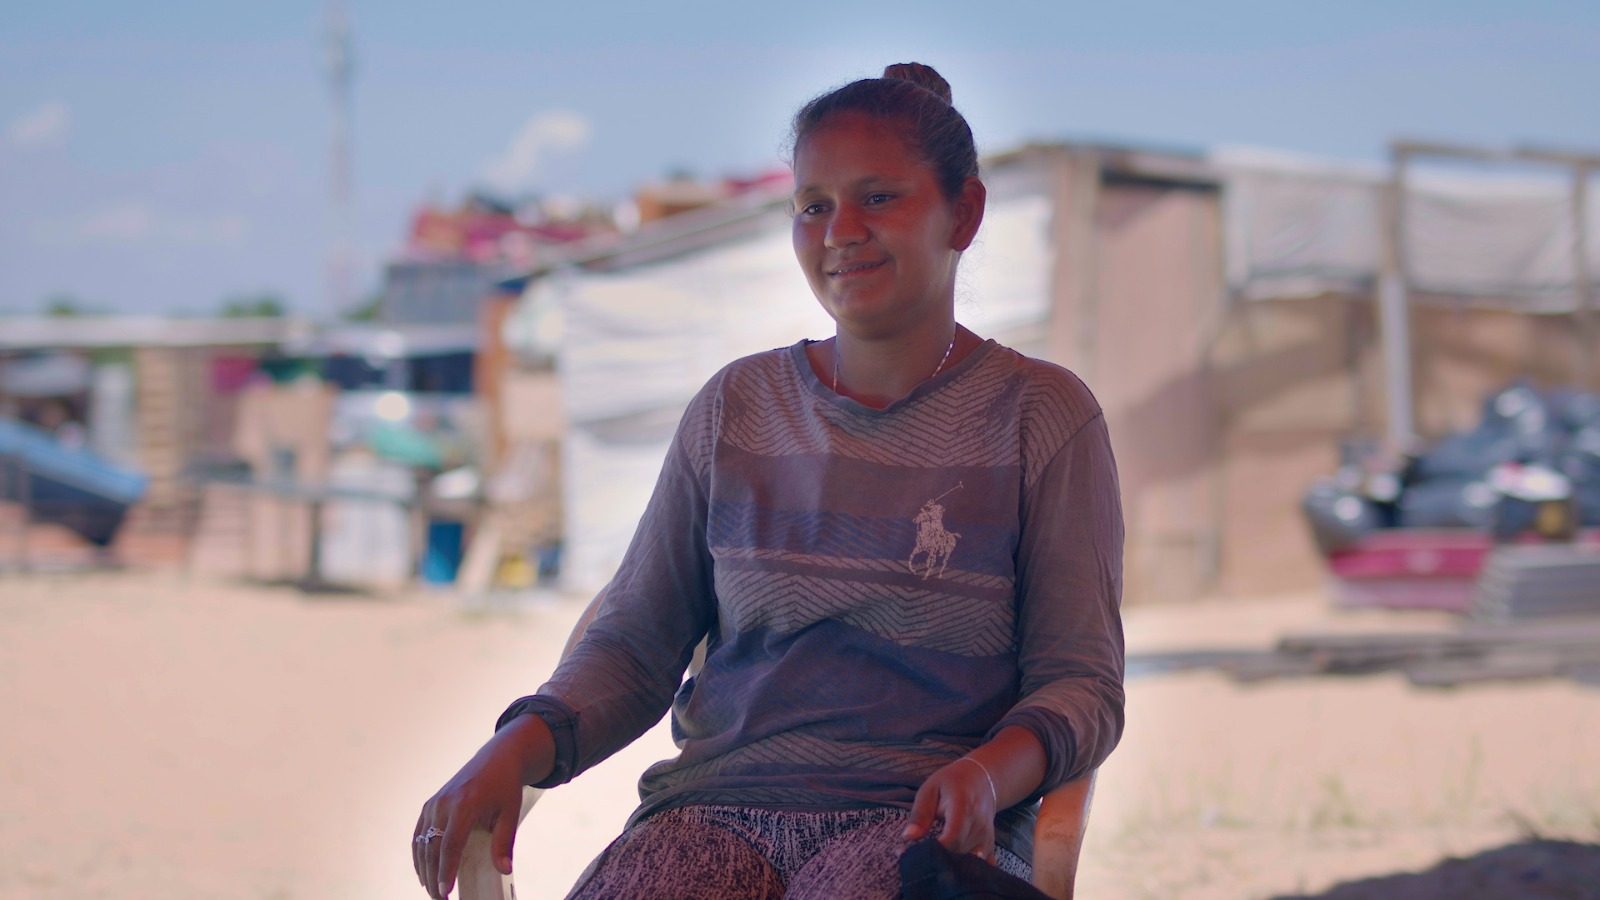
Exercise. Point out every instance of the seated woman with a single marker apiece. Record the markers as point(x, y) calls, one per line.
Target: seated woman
point(902, 546)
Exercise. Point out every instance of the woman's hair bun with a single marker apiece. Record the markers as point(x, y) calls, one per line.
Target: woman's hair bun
point(914, 99)
point(922, 76)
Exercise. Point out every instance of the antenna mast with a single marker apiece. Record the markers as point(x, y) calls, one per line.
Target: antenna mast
point(339, 68)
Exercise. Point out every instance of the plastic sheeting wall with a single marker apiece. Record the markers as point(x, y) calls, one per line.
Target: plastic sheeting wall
point(1305, 230)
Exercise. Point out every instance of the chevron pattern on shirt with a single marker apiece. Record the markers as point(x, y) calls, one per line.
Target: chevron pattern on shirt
point(910, 616)
point(947, 428)
point(838, 565)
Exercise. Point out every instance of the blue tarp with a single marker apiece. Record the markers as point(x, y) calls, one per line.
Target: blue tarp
point(68, 486)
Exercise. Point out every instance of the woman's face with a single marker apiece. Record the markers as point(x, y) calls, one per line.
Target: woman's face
point(876, 238)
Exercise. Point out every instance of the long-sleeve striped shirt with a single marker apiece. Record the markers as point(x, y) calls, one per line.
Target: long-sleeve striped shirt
point(880, 590)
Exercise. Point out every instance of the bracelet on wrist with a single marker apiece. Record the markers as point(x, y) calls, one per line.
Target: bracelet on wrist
point(993, 792)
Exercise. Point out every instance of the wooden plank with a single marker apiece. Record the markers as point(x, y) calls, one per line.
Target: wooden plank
point(1452, 672)
point(1271, 666)
point(1470, 637)
point(1480, 652)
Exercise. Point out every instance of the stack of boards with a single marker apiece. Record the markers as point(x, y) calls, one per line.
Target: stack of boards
point(1538, 581)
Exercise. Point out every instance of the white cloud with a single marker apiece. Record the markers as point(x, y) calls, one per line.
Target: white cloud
point(517, 167)
point(41, 127)
point(123, 223)
point(134, 222)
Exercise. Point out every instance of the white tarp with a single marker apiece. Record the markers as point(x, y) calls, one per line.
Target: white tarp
point(1296, 229)
point(635, 345)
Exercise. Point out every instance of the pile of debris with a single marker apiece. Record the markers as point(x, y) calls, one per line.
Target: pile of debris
point(1532, 464)
point(1500, 522)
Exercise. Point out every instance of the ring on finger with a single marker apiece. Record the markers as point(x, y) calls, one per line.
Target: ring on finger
point(428, 835)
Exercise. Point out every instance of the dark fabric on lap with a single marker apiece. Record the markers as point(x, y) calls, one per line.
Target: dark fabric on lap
point(930, 872)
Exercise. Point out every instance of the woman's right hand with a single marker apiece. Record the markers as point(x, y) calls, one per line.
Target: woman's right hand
point(487, 794)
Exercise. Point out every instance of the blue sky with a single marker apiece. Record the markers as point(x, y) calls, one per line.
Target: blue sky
point(163, 156)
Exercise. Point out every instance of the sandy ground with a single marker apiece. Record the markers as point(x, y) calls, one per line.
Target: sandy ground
point(171, 738)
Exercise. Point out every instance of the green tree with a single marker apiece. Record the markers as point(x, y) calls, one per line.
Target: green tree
point(250, 306)
point(368, 311)
point(65, 306)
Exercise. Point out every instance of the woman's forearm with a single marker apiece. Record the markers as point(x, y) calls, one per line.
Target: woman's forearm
point(1015, 761)
point(533, 745)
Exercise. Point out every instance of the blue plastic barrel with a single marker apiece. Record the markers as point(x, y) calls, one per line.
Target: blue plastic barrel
point(441, 558)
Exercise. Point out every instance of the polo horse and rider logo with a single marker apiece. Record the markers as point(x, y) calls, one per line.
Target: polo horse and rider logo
point(934, 542)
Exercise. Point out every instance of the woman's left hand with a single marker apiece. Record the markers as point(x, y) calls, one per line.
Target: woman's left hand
point(962, 797)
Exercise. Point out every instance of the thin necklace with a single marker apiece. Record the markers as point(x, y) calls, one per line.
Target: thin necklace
point(936, 369)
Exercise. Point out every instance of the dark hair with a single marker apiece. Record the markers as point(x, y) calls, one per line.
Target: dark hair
point(919, 98)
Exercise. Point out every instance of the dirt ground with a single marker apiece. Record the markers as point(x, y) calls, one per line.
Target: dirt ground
point(164, 737)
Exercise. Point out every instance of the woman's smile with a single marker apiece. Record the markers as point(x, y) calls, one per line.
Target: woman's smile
point(856, 269)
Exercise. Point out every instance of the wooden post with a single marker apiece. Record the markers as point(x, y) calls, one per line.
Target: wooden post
point(1073, 322)
point(1084, 253)
point(19, 471)
point(1582, 286)
point(1394, 313)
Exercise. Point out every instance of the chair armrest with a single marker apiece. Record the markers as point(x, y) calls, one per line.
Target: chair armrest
point(478, 878)
point(1058, 836)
